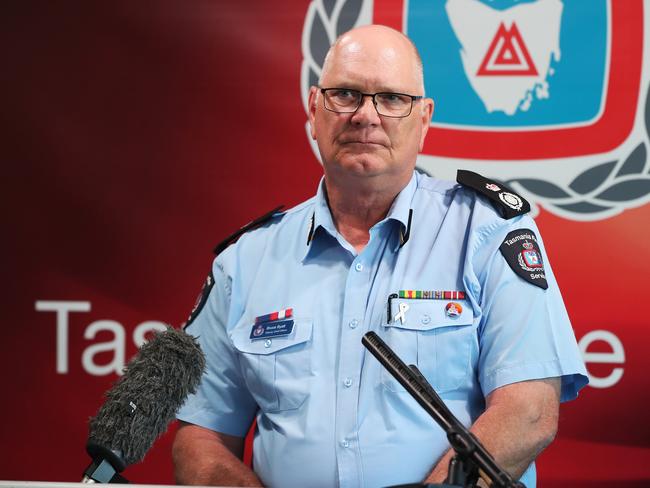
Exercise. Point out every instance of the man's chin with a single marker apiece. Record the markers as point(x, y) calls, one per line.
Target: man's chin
point(363, 162)
point(365, 166)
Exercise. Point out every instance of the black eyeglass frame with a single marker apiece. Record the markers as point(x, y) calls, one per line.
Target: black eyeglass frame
point(414, 98)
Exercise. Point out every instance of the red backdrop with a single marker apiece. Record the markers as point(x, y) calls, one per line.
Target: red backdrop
point(136, 135)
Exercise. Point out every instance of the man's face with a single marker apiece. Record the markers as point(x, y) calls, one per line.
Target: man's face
point(364, 143)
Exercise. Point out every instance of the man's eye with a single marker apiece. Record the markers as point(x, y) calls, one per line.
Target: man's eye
point(391, 98)
point(344, 94)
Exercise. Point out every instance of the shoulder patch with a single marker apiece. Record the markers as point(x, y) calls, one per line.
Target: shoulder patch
point(507, 202)
point(253, 224)
point(200, 300)
point(522, 253)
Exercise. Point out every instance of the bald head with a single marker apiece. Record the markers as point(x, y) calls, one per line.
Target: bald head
point(387, 44)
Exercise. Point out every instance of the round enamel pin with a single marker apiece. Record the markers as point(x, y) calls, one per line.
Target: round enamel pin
point(453, 310)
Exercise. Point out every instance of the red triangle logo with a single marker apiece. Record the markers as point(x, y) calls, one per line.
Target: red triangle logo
point(507, 55)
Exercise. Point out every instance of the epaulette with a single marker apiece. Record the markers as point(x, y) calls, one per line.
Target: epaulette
point(506, 201)
point(253, 224)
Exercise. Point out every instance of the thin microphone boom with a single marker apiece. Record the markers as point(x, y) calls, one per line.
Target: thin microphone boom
point(470, 452)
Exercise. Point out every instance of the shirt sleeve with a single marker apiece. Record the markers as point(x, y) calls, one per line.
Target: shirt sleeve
point(222, 402)
point(524, 332)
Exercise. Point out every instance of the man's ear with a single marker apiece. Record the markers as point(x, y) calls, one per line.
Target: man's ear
point(311, 105)
point(426, 114)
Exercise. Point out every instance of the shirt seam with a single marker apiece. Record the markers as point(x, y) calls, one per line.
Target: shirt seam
point(520, 365)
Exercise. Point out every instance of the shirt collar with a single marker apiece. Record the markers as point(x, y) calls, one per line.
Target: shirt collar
point(322, 216)
point(400, 211)
point(320, 219)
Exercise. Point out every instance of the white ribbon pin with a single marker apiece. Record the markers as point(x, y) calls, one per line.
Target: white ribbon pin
point(401, 315)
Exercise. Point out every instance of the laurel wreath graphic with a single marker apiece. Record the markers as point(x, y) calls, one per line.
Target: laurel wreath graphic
point(324, 22)
point(601, 189)
point(598, 192)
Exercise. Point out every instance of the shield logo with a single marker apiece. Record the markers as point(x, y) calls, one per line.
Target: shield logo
point(531, 258)
point(504, 74)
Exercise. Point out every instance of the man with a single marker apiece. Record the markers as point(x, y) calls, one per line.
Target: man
point(432, 267)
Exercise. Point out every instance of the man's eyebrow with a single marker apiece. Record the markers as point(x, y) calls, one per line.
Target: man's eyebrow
point(352, 86)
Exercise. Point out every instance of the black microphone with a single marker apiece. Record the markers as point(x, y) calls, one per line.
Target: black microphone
point(142, 403)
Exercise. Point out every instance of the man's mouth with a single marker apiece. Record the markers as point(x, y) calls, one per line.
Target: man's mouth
point(363, 142)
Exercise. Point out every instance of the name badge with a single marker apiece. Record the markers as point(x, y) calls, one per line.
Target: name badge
point(266, 330)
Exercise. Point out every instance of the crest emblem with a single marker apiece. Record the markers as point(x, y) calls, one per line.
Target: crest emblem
point(529, 257)
point(511, 200)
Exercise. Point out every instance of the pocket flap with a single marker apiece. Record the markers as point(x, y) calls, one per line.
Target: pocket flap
point(423, 314)
point(240, 337)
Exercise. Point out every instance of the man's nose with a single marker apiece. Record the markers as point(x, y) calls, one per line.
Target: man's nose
point(366, 113)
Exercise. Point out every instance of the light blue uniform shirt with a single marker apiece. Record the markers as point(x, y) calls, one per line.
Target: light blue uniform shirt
point(327, 413)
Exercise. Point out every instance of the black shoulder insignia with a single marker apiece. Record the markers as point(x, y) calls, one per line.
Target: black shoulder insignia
point(508, 203)
point(253, 224)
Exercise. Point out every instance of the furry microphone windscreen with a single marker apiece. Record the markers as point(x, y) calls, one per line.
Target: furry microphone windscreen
point(143, 402)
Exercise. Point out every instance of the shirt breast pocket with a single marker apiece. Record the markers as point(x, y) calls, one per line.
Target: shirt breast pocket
point(277, 370)
point(435, 335)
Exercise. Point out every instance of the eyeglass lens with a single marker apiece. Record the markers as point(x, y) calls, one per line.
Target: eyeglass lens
point(389, 104)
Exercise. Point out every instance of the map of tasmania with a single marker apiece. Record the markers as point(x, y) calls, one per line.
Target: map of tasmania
point(507, 54)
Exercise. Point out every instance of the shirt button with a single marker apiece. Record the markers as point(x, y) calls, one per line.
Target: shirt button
point(348, 382)
point(345, 443)
point(426, 319)
point(358, 267)
point(353, 323)
point(267, 343)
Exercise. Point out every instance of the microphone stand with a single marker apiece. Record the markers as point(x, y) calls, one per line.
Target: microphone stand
point(471, 459)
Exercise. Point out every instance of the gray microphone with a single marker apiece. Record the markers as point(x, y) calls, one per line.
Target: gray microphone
point(142, 403)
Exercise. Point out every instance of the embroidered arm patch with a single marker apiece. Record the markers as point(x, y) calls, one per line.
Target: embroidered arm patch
point(522, 253)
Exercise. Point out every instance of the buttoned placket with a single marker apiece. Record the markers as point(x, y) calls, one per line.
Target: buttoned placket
point(355, 323)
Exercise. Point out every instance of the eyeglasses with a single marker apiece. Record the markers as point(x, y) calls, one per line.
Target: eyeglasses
point(388, 104)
